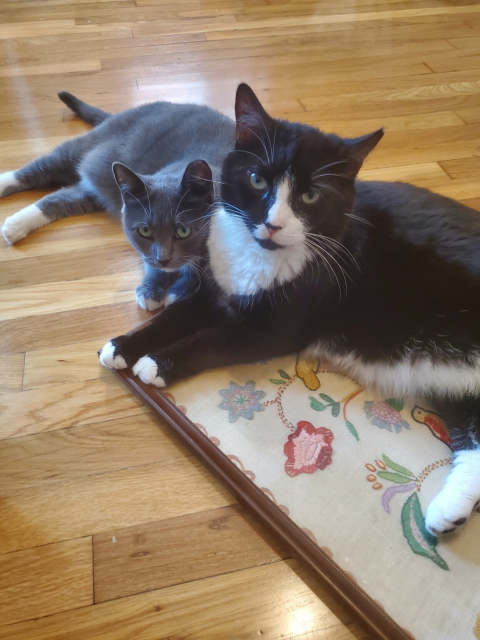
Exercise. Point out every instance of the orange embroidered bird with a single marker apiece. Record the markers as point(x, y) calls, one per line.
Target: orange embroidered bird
point(434, 422)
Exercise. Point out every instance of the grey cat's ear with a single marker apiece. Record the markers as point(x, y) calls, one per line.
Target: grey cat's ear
point(198, 178)
point(252, 119)
point(361, 147)
point(128, 180)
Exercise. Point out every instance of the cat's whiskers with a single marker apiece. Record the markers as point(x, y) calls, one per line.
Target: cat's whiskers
point(316, 250)
point(335, 243)
point(179, 203)
point(149, 203)
point(269, 141)
point(354, 217)
point(326, 166)
point(250, 153)
point(330, 188)
point(135, 198)
point(261, 140)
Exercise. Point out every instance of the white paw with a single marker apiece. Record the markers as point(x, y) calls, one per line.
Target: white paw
point(459, 496)
point(21, 223)
point(146, 369)
point(170, 298)
point(7, 179)
point(147, 303)
point(109, 359)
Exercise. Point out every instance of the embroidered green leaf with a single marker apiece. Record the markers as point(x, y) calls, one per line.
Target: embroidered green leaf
point(284, 374)
point(327, 399)
point(397, 467)
point(394, 477)
point(335, 409)
point(395, 403)
point(277, 381)
point(352, 429)
point(315, 404)
point(420, 540)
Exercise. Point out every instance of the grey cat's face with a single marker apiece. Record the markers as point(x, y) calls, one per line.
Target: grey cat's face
point(167, 221)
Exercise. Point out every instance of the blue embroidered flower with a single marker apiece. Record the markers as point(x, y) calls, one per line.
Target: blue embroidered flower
point(385, 416)
point(241, 401)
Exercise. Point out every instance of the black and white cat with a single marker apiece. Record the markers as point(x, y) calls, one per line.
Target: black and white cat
point(381, 279)
point(178, 151)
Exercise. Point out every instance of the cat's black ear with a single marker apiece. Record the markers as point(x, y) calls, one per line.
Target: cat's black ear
point(128, 180)
point(252, 119)
point(198, 178)
point(361, 147)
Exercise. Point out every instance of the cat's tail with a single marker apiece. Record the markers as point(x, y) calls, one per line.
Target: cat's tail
point(89, 114)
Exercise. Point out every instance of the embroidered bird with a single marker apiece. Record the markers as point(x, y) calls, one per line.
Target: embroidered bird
point(434, 422)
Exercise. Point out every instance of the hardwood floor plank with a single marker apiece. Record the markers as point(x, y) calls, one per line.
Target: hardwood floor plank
point(274, 602)
point(44, 581)
point(78, 452)
point(66, 405)
point(161, 554)
point(56, 329)
point(11, 372)
point(462, 168)
point(58, 511)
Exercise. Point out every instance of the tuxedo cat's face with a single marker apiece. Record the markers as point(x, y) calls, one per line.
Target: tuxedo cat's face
point(167, 223)
point(291, 186)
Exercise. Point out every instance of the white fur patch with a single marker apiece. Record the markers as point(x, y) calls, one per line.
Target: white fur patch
point(7, 179)
point(147, 303)
point(416, 377)
point(459, 495)
point(241, 266)
point(170, 298)
point(146, 369)
point(109, 359)
point(21, 223)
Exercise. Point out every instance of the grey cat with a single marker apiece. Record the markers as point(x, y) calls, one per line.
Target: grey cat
point(177, 152)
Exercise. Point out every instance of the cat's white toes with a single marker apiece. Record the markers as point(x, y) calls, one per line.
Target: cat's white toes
point(146, 369)
point(109, 359)
point(16, 227)
point(459, 496)
point(7, 180)
point(147, 303)
point(170, 298)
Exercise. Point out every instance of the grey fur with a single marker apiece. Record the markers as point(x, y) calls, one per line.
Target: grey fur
point(156, 142)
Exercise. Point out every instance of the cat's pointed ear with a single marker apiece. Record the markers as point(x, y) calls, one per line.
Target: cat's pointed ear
point(252, 119)
point(359, 148)
point(128, 181)
point(198, 178)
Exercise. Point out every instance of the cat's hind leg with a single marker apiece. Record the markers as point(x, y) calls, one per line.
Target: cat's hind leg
point(460, 494)
point(69, 201)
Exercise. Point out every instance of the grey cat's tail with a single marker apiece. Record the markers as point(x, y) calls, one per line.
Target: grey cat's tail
point(89, 114)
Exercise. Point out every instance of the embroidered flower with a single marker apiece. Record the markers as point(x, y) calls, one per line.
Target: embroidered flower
point(308, 449)
point(241, 401)
point(384, 416)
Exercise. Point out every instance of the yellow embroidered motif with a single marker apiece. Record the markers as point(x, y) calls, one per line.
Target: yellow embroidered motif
point(307, 371)
point(477, 628)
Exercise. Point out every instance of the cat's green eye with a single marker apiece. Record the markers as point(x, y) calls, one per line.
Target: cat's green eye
point(309, 197)
point(182, 231)
point(145, 231)
point(258, 182)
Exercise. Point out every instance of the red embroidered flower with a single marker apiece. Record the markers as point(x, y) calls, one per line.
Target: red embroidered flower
point(308, 449)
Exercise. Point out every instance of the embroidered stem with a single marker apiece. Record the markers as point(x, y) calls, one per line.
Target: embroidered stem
point(350, 396)
point(429, 469)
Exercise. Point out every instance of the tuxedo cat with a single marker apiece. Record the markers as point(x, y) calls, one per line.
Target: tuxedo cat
point(380, 279)
point(177, 151)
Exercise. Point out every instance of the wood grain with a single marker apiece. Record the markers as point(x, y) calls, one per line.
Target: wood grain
point(11, 372)
point(44, 581)
point(160, 554)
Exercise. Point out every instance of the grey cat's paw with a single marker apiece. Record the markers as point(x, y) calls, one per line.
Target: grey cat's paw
point(147, 370)
point(19, 225)
point(148, 299)
point(111, 358)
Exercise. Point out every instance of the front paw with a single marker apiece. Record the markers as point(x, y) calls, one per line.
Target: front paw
point(148, 298)
point(148, 369)
point(111, 356)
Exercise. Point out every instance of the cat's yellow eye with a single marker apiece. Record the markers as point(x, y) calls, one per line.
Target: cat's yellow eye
point(182, 231)
point(309, 197)
point(258, 182)
point(145, 231)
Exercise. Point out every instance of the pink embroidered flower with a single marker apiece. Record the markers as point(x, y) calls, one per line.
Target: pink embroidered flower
point(386, 415)
point(308, 449)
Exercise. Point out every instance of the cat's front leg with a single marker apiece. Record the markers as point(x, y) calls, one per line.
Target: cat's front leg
point(460, 494)
point(151, 292)
point(229, 343)
point(183, 287)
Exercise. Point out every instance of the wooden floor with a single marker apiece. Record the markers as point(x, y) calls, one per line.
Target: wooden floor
point(109, 529)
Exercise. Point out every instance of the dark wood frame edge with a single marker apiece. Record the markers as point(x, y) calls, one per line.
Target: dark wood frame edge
point(375, 620)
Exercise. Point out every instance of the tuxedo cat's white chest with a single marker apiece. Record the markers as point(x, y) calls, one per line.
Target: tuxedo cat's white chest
point(241, 266)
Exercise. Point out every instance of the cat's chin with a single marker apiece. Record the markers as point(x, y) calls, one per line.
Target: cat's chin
point(268, 244)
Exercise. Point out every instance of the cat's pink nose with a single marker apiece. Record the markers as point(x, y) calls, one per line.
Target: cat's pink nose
point(272, 230)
